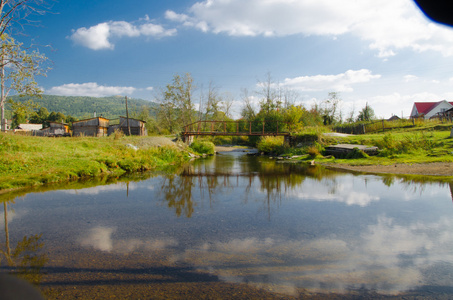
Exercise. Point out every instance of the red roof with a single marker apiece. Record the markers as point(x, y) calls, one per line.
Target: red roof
point(426, 107)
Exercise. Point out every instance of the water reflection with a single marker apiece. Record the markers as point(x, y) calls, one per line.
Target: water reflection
point(25, 260)
point(288, 228)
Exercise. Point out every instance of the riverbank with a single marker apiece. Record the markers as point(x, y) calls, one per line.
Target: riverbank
point(428, 169)
point(27, 161)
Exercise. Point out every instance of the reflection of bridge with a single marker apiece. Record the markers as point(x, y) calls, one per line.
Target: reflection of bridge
point(236, 128)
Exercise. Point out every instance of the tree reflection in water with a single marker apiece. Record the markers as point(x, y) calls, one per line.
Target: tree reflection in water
point(270, 178)
point(24, 261)
point(210, 177)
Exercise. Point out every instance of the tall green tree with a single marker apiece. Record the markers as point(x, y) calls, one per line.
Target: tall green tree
point(176, 106)
point(22, 111)
point(366, 114)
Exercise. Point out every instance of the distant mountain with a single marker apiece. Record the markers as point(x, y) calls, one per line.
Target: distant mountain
point(84, 107)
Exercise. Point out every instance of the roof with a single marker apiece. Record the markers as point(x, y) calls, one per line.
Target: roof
point(132, 119)
point(90, 119)
point(426, 107)
point(30, 127)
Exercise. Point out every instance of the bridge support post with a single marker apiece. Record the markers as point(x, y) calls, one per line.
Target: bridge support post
point(188, 139)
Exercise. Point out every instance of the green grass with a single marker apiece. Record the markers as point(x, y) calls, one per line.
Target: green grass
point(203, 147)
point(31, 161)
point(422, 144)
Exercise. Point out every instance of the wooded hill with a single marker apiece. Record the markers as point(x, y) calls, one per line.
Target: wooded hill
point(84, 107)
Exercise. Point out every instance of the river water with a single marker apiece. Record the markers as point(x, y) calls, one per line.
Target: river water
point(234, 226)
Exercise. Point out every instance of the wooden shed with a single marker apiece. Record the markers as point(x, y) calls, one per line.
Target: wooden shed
point(137, 126)
point(91, 127)
point(56, 129)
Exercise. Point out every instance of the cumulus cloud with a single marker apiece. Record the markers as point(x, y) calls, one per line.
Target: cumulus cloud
point(340, 82)
point(387, 25)
point(99, 36)
point(91, 89)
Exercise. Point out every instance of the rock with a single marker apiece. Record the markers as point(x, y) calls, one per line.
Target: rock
point(132, 147)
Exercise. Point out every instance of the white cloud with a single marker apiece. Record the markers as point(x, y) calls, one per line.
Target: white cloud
point(99, 36)
point(409, 78)
point(387, 25)
point(91, 89)
point(341, 82)
point(95, 37)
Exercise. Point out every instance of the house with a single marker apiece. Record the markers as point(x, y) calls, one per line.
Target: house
point(56, 129)
point(28, 128)
point(394, 118)
point(428, 110)
point(137, 126)
point(97, 126)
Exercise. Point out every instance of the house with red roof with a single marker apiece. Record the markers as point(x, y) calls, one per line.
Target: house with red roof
point(428, 110)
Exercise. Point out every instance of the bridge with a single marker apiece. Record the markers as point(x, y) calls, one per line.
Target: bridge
point(236, 128)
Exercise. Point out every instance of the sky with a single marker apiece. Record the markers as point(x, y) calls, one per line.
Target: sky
point(386, 53)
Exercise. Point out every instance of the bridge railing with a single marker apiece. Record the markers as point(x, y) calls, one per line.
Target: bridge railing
point(240, 127)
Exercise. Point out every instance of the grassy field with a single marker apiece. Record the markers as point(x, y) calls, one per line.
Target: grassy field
point(30, 161)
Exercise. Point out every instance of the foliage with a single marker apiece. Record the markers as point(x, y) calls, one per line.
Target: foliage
point(331, 111)
point(271, 144)
point(18, 69)
point(366, 114)
point(176, 107)
point(357, 153)
point(82, 107)
point(22, 111)
point(203, 147)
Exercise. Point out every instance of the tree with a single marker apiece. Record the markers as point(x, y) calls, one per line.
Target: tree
point(176, 107)
point(331, 110)
point(248, 111)
point(270, 97)
point(18, 66)
point(366, 114)
point(22, 111)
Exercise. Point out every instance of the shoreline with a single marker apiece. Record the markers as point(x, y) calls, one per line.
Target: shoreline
point(444, 169)
point(440, 169)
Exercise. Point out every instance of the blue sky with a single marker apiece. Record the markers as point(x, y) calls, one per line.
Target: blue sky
point(385, 53)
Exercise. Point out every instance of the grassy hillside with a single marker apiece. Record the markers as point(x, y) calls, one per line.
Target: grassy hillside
point(84, 107)
point(33, 161)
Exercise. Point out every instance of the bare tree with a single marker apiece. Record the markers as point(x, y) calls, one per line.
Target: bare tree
point(269, 94)
point(227, 103)
point(248, 112)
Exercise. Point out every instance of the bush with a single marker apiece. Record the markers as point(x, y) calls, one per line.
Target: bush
point(203, 147)
point(271, 144)
point(356, 153)
point(313, 151)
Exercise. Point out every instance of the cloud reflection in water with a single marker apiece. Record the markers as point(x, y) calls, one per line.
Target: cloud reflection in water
point(386, 257)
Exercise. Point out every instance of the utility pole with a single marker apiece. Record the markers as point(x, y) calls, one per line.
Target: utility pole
point(127, 117)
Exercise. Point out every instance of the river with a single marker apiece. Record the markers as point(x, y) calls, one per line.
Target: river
point(234, 226)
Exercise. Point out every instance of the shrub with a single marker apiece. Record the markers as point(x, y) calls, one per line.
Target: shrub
point(271, 144)
point(203, 147)
point(313, 151)
point(356, 153)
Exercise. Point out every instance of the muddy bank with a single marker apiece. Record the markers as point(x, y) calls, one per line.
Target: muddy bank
point(431, 169)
